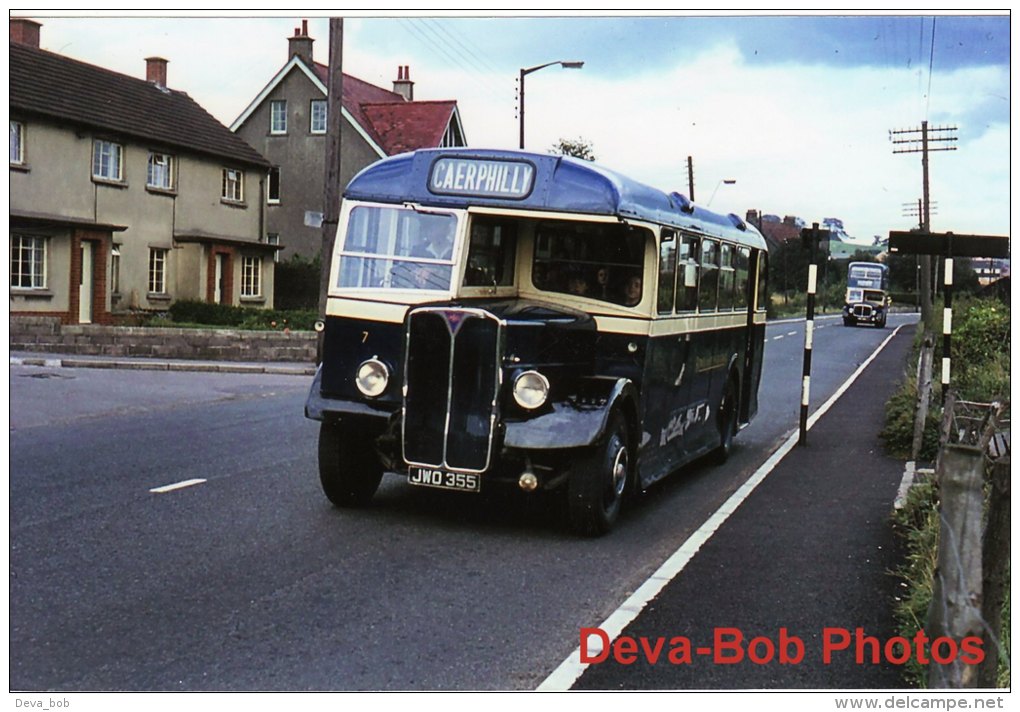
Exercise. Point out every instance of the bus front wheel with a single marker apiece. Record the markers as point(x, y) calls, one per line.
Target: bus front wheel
point(349, 469)
point(597, 484)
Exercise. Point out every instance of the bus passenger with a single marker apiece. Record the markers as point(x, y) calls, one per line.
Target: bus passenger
point(578, 285)
point(632, 291)
point(602, 283)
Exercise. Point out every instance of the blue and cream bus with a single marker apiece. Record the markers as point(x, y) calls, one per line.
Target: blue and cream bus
point(500, 317)
point(867, 294)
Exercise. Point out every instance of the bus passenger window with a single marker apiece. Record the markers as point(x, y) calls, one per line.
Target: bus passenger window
point(763, 271)
point(491, 254)
point(591, 260)
point(667, 271)
point(708, 290)
point(743, 265)
point(687, 275)
point(726, 277)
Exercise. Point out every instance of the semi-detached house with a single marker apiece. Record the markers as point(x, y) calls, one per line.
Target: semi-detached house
point(286, 123)
point(125, 194)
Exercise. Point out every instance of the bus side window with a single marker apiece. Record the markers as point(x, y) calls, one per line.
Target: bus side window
point(763, 271)
point(727, 278)
point(687, 275)
point(743, 266)
point(708, 290)
point(667, 271)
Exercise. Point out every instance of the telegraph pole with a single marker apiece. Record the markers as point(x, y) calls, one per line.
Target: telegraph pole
point(923, 141)
point(331, 179)
point(690, 177)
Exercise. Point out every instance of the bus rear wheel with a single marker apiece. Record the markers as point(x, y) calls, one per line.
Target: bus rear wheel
point(349, 469)
point(727, 421)
point(596, 487)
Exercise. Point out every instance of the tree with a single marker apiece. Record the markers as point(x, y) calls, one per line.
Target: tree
point(578, 148)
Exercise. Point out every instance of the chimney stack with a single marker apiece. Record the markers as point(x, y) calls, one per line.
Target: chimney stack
point(301, 44)
point(25, 31)
point(403, 84)
point(155, 71)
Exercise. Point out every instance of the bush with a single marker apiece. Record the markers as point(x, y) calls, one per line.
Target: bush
point(980, 372)
point(296, 284)
point(980, 364)
point(917, 523)
point(205, 314)
point(898, 433)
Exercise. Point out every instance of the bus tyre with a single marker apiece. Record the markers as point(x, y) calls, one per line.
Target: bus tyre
point(847, 321)
point(598, 481)
point(726, 418)
point(881, 322)
point(349, 469)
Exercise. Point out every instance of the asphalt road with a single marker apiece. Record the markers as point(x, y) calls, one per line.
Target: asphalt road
point(250, 580)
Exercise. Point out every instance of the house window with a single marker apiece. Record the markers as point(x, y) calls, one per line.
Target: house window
point(451, 137)
point(17, 143)
point(233, 185)
point(157, 270)
point(107, 160)
point(318, 114)
point(251, 277)
point(273, 194)
point(278, 117)
point(160, 172)
point(28, 262)
point(273, 238)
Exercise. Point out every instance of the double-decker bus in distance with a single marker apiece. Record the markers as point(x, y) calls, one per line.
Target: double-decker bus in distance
point(501, 318)
point(867, 294)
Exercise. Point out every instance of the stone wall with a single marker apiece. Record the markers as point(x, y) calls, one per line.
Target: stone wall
point(42, 334)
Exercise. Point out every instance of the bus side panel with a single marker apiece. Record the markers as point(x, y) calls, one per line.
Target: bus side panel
point(347, 342)
point(680, 397)
point(665, 397)
point(752, 372)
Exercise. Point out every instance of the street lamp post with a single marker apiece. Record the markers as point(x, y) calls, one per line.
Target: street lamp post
point(727, 181)
point(529, 70)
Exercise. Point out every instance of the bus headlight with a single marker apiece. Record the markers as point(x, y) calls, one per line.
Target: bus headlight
point(531, 389)
point(372, 378)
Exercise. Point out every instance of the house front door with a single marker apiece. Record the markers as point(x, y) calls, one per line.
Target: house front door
point(86, 285)
point(219, 291)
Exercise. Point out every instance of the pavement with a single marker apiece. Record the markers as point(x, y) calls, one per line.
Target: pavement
point(808, 555)
point(51, 360)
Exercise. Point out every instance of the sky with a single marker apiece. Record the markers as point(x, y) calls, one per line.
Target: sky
point(797, 110)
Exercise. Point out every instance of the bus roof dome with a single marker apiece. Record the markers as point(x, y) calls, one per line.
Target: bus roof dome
point(533, 181)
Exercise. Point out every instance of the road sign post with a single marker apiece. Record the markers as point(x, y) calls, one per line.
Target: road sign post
point(948, 245)
point(810, 239)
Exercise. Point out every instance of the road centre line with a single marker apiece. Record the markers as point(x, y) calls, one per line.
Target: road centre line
point(176, 486)
point(568, 672)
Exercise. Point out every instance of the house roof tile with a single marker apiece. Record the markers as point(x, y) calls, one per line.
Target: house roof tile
point(395, 124)
point(53, 86)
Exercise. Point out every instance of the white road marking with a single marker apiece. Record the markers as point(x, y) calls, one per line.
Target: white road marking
point(568, 672)
point(176, 486)
point(777, 338)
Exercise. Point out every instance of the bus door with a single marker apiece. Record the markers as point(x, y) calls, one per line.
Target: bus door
point(756, 292)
